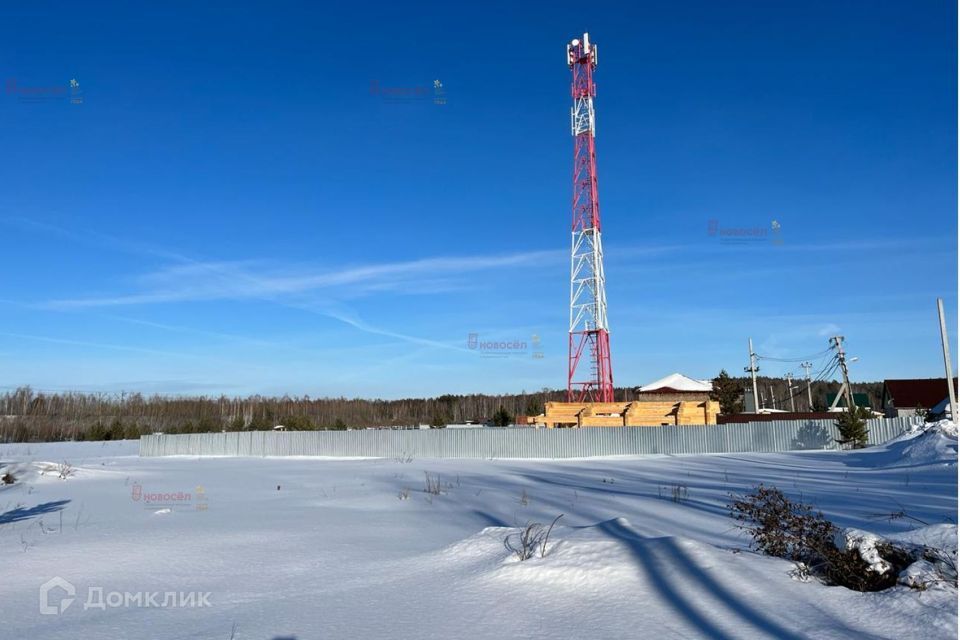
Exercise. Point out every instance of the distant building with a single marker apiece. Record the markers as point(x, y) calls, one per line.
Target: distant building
point(902, 397)
point(676, 387)
point(674, 400)
point(859, 399)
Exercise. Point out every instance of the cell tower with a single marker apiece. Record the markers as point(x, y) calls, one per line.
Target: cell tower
point(589, 334)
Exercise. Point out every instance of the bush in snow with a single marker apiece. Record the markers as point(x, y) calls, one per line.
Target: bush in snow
point(780, 527)
point(679, 493)
point(944, 563)
point(530, 540)
point(864, 562)
point(65, 470)
point(431, 484)
point(792, 530)
point(934, 567)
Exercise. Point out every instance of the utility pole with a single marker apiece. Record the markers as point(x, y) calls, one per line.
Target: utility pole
point(806, 367)
point(752, 370)
point(837, 343)
point(793, 407)
point(946, 360)
point(773, 399)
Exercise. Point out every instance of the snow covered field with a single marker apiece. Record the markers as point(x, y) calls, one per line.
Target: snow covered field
point(320, 548)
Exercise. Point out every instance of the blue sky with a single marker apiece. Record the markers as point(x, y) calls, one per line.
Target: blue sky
point(230, 202)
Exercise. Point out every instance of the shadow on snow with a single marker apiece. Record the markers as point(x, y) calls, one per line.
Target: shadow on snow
point(658, 556)
point(23, 513)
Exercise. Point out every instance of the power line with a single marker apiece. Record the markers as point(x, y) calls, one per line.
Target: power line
point(827, 371)
point(798, 364)
point(800, 359)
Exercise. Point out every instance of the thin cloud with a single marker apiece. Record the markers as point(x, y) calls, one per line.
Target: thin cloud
point(202, 281)
point(92, 238)
point(230, 337)
point(95, 345)
point(356, 323)
point(829, 329)
point(195, 280)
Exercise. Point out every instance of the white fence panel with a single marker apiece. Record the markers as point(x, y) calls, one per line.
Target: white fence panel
point(778, 435)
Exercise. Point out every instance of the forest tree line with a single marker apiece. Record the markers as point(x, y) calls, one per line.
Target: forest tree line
point(27, 415)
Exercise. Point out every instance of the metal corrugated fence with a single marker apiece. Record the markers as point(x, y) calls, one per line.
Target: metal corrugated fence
point(777, 435)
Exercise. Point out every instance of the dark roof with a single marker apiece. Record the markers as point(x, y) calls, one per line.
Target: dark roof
point(859, 399)
point(924, 392)
point(770, 417)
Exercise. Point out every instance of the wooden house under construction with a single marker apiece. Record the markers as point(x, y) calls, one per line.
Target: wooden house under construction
point(673, 400)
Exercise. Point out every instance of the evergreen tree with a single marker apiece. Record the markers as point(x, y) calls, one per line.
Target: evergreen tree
point(726, 391)
point(922, 412)
point(852, 425)
point(131, 431)
point(297, 423)
point(502, 418)
point(209, 424)
point(534, 407)
point(97, 432)
point(115, 430)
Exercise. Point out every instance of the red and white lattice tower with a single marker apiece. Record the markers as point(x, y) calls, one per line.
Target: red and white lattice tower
point(590, 375)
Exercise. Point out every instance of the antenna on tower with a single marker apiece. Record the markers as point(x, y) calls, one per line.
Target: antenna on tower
point(589, 333)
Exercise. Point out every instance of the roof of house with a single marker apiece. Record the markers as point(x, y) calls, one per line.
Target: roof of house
point(677, 382)
point(859, 399)
point(924, 392)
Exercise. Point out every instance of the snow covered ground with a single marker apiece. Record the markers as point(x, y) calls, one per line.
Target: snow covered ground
point(321, 548)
